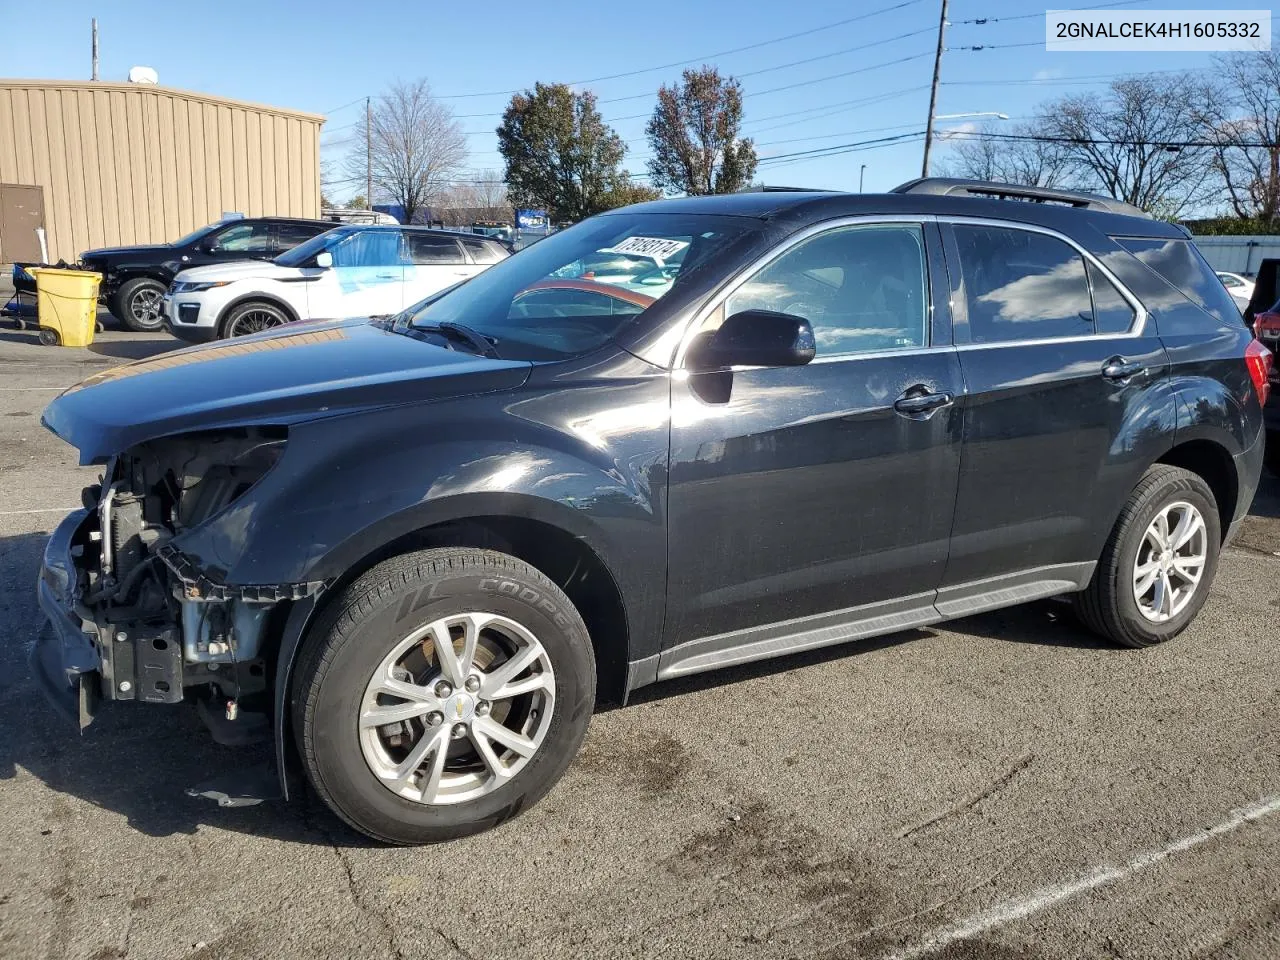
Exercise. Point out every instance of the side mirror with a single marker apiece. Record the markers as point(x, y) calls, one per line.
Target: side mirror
point(755, 338)
point(324, 259)
point(208, 246)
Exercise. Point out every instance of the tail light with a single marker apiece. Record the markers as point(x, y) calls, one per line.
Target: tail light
point(1266, 326)
point(1259, 361)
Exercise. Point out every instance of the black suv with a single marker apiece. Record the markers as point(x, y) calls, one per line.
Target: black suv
point(676, 436)
point(134, 279)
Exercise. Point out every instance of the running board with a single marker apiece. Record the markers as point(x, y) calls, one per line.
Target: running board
point(870, 620)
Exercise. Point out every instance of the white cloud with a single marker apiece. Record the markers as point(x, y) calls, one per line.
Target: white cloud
point(1052, 74)
point(950, 132)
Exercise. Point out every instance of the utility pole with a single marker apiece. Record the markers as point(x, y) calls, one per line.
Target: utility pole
point(861, 173)
point(933, 92)
point(95, 48)
point(368, 152)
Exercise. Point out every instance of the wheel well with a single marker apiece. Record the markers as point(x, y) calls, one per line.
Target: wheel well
point(253, 298)
point(1214, 465)
point(564, 558)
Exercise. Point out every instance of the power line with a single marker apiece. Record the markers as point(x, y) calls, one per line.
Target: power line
point(1029, 16)
point(1101, 141)
point(996, 46)
point(345, 105)
point(842, 148)
point(1050, 81)
point(906, 139)
point(709, 56)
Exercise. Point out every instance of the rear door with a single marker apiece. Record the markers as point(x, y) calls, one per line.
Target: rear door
point(823, 491)
point(1066, 399)
point(290, 234)
point(436, 261)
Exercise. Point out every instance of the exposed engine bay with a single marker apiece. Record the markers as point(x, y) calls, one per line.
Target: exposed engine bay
point(166, 630)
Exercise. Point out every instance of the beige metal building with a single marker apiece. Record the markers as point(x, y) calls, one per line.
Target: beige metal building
point(110, 164)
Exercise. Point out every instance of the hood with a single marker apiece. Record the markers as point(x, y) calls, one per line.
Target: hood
point(236, 270)
point(115, 253)
point(300, 372)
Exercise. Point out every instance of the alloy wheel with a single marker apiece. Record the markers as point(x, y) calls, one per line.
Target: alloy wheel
point(145, 306)
point(255, 320)
point(1170, 562)
point(457, 708)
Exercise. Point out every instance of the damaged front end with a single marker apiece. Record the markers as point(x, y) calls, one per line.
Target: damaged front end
point(131, 617)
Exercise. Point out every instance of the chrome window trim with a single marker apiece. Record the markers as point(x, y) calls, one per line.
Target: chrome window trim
point(746, 273)
point(1141, 314)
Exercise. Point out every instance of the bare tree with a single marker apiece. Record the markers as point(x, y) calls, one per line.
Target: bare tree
point(983, 155)
point(418, 147)
point(1137, 142)
point(1246, 111)
point(490, 190)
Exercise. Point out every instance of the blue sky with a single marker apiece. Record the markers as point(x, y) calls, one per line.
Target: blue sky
point(321, 55)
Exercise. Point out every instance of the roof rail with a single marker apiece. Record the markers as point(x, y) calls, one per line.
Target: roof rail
point(946, 186)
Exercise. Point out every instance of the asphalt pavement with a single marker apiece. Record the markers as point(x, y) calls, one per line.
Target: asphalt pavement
point(1001, 787)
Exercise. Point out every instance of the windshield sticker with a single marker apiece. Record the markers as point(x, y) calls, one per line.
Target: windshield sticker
point(659, 248)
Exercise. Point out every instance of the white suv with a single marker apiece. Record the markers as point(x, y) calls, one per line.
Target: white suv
point(350, 271)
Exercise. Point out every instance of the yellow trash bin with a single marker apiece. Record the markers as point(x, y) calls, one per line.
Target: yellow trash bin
point(66, 305)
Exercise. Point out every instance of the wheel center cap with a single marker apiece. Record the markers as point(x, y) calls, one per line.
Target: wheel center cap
point(460, 707)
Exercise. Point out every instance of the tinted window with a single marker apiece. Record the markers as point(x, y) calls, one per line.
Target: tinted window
point(484, 252)
point(1229, 281)
point(1182, 267)
point(424, 248)
point(368, 248)
point(861, 288)
point(244, 238)
point(628, 260)
point(1111, 312)
point(1021, 285)
point(289, 235)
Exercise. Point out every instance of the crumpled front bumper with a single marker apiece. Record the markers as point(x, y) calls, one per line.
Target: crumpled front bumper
point(65, 660)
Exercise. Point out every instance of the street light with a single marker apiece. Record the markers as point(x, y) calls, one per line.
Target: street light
point(928, 134)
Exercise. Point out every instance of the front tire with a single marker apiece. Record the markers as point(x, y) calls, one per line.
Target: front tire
point(137, 304)
point(1159, 562)
point(252, 317)
point(414, 738)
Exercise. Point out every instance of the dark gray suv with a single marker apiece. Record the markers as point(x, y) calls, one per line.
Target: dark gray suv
point(416, 551)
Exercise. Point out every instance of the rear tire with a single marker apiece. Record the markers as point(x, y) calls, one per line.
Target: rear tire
point(137, 305)
point(1111, 605)
point(502, 750)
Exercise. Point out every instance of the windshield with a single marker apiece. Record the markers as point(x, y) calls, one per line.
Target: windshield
point(576, 289)
point(195, 235)
point(307, 251)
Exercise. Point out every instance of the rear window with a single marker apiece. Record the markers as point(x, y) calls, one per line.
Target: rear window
point(483, 251)
point(1180, 265)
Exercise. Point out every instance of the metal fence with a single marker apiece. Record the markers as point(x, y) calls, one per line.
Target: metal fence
point(1238, 254)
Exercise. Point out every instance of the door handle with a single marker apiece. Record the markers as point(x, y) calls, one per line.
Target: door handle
point(923, 403)
point(1118, 368)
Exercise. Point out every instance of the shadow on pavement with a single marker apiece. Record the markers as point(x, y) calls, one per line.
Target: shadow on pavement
point(139, 349)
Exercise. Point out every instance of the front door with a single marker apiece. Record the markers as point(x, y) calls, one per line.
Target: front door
point(366, 279)
point(251, 240)
point(1065, 398)
point(824, 491)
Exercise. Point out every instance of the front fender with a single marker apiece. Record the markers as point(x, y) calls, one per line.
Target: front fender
point(588, 457)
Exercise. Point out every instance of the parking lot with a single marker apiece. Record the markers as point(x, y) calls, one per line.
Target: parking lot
point(1003, 787)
